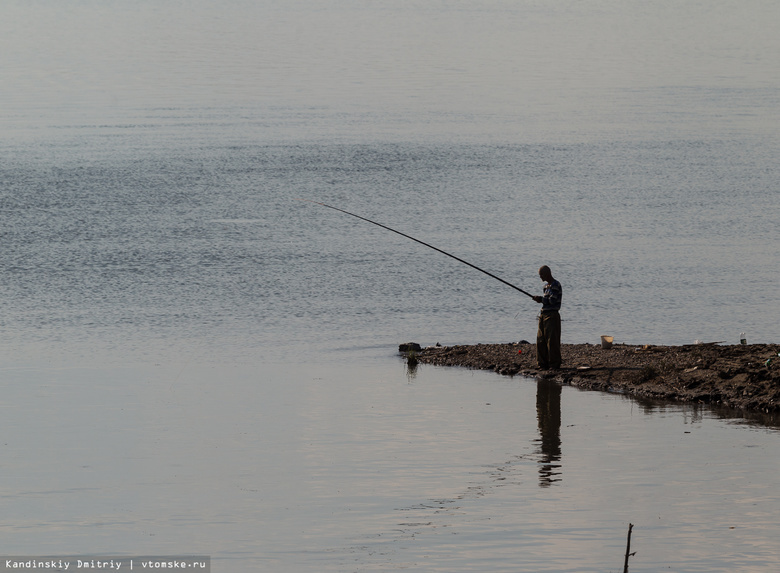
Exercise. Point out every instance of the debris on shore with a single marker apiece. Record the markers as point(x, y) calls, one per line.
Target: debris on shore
point(746, 377)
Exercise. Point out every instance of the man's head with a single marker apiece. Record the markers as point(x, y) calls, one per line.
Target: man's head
point(545, 274)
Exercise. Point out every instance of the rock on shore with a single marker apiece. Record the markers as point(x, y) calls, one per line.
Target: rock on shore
point(737, 376)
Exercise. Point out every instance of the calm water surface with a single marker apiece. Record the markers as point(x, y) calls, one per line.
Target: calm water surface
point(335, 468)
point(194, 362)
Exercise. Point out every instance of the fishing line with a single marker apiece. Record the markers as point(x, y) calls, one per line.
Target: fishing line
point(422, 243)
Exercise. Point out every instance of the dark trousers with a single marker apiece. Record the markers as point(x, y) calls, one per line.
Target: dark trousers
point(548, 340)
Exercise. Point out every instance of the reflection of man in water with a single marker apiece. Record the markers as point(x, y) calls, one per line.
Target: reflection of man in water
point(548, 412)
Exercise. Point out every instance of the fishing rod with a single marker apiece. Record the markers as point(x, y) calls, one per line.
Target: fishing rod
point(422, 243)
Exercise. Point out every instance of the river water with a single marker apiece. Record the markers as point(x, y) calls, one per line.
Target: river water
point(196, 362)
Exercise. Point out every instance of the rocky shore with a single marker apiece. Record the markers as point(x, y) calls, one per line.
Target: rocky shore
point(746, 377)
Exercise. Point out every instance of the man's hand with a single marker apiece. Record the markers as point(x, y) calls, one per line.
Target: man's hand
point(538, 299)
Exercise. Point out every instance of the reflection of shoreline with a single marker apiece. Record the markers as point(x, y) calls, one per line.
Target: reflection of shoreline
point(548, 412)
point(735, 377)
point(411, 366)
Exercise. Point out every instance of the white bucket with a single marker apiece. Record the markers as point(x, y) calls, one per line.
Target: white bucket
point(606, 341)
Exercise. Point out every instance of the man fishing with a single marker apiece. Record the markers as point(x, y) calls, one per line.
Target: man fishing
point(548, 337)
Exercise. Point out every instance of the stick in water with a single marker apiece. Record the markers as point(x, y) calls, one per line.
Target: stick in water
point(628, 548)
point(422, 243)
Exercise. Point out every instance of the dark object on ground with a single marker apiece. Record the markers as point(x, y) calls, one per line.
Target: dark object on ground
point(409, 347)
point(736, 376)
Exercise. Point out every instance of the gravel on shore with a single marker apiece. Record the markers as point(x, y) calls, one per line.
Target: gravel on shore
point(746, 377)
